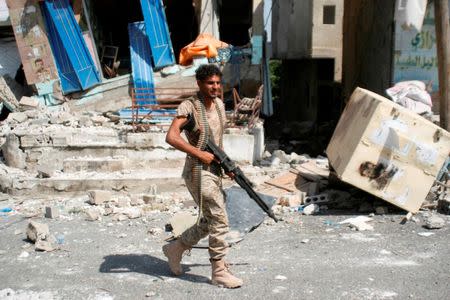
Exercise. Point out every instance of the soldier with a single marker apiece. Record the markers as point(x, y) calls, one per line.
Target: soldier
point(203, 176)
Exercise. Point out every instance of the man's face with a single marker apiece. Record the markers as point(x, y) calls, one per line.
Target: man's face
point(210, 87)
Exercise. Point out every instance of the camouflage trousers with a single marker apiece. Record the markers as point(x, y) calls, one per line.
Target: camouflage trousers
point(214, 219)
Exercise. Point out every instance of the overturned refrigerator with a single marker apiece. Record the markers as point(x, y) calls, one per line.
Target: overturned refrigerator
point(387, 150)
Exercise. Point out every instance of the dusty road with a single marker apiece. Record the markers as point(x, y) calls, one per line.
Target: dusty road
point(301, 257)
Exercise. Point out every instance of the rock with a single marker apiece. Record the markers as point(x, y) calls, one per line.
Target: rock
point(92, 214)
point(19, 117)
point(426, 234)
point(44, 246)
point(37, 231)
point(51, 212)
point(133, 212)
point(298, 159)
point(292, 200)
point(29, 102)
point(311, 209)
point(155, 231)
point(434, 222)
point(120, 217)
point(275, 161)
point(304, 241)
point(14, 156)
point(98, 197)
point(284, 158)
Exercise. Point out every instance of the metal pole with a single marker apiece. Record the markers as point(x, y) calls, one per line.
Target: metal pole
point(443, 53)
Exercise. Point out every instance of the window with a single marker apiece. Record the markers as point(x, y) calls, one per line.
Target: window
point(329, 14)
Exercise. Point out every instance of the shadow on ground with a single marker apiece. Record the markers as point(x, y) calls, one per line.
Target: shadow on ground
point(145, 264)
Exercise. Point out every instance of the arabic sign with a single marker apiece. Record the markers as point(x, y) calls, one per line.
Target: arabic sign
point(415, 56)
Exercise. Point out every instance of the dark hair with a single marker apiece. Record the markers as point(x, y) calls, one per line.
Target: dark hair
point(205, 71)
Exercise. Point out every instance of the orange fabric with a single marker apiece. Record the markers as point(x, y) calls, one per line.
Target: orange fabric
point(205, 45)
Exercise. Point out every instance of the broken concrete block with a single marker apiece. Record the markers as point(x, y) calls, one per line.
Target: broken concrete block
point(13, 154)
point(292, 200)
point(92, 214)
point(46, 246)
point(283, 157)
point(434, 222)
point(51, 212)
point(29, 102)
point(45, 171)
point(98, 197)
point(37, 231)
point(133, 212)
point(6, 94)
point(19, 117)
point(393, 153)
point(322, 198)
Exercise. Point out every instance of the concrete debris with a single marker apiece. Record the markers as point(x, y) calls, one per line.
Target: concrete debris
point(280, 277)
point(155, 231)
point(14, 156)
point(45, 171)
point(322, 198)
point(29, 102)
point(24, 254)
point(98, 197)
point(93, 214)
point(311, 209)
point(51, 212)
point(47, 246)
point(7, 96)
point(359, 223)
point(426, 234)
point(292, 199)
point(132, 212)
point(313, 189)
point(18, 117)
point(434, 222)
point(37, 231)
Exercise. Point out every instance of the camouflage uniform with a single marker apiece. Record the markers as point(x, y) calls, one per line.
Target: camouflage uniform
point(214, 219)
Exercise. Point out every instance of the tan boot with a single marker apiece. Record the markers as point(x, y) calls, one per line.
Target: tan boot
point(222, 276)
point(174, 253)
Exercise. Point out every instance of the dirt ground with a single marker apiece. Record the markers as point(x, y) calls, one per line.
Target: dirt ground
point(301, 257)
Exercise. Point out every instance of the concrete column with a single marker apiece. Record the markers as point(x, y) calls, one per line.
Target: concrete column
point(208, 17)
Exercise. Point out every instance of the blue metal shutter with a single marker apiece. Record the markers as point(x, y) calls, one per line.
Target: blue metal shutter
point(74, 62)
point(158, 33)
point(141, 68)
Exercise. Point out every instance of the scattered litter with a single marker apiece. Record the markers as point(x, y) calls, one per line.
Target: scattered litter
point(359, 223)
point(426, 233)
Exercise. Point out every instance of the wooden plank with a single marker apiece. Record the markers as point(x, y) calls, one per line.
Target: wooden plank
point(442, 43)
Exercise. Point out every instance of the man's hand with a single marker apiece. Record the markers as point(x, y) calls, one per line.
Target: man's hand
point(205, 157)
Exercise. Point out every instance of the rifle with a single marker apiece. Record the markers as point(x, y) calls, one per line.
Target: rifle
point(229, 166)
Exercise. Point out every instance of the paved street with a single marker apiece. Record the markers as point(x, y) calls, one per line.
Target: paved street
point(301, 257)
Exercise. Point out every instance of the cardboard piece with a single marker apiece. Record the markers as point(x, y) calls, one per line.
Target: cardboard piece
point(387, 150)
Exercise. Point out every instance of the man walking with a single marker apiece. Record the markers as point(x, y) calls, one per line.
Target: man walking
point(203, 176)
